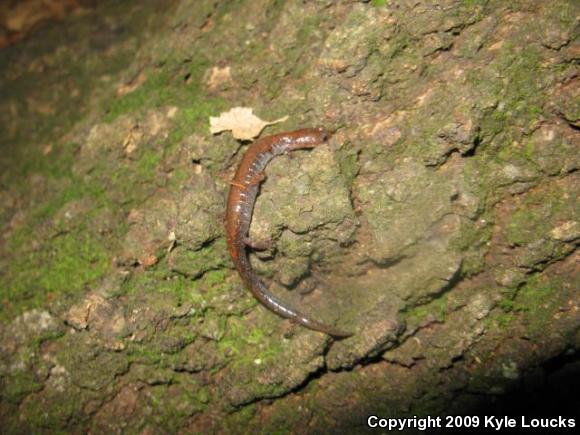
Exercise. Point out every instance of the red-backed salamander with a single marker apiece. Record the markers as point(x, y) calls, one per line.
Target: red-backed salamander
point(243, 192)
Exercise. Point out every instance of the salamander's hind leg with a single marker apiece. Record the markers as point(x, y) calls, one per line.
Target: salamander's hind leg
point(259, 245)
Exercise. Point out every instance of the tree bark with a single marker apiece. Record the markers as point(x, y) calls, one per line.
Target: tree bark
point(440, 223)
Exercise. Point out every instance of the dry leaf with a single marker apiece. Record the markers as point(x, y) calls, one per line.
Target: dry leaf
point(241, 121)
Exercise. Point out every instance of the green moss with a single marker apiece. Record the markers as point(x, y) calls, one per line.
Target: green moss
point(177, 290)
point(472, 240)
point(179, 177)
point(20, 385)
point(503, 321)
point(215, 277)
point(235, 341)
point(538, 301)
point(229, 346)
point(184, 290)
point(52, 410)
point(348, 163)
point(436, 308)
point(524, 226)
point(45, 336)
point(50, 257)
point(196, 263)
point(256, 336)
point(506, 304)
point(538, 213)
point(151, 354)
point(307, 35)
point(147, 163)
point(62, 266)
point(534, 305)
point(518, 95)
point(192, 117)
point(203, 395)
point(166, 87)
point(379, 3)
point(248, 345)
point(154, 92)
point(469, 4)
point(240, 419)
point(172, 405)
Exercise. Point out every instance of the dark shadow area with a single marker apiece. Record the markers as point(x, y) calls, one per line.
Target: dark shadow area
point(548, 392)
point(551, 391)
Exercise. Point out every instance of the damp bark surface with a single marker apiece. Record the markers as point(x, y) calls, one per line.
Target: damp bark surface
point(440, 223)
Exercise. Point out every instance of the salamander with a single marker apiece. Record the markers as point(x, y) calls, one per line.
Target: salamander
point(240, 205)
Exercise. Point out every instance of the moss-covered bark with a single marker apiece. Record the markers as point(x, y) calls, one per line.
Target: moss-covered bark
point(440, 224)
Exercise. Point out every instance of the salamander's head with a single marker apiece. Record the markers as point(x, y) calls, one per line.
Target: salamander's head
point(307, 138)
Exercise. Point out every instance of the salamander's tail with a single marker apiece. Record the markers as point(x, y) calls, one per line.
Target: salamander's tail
point(317, 326)
point(261, 293)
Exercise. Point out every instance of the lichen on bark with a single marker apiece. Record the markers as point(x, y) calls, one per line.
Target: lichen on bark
point(440, 223)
